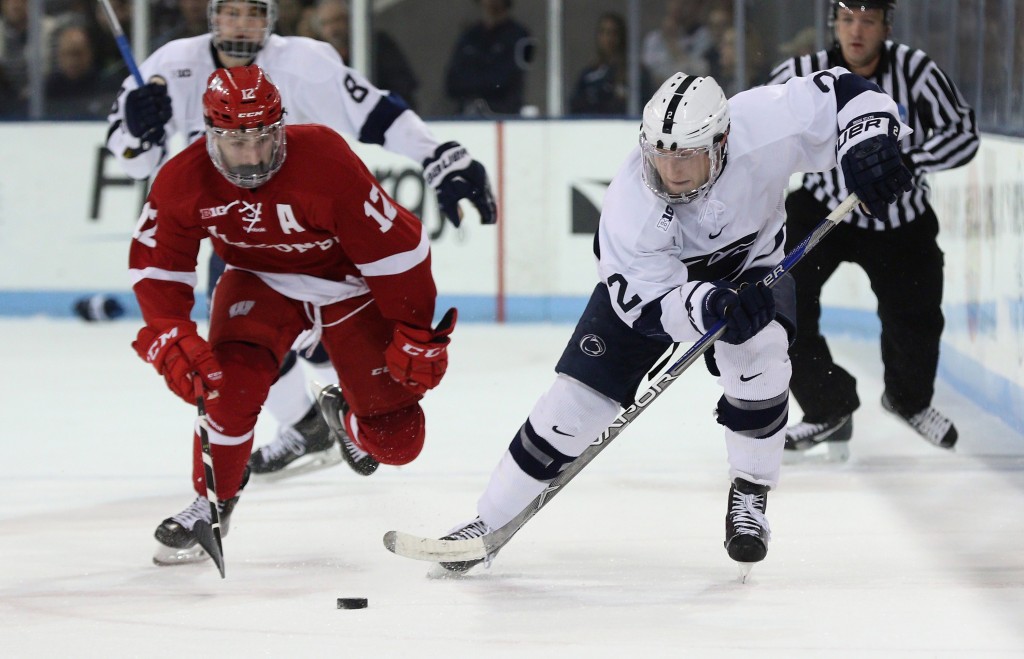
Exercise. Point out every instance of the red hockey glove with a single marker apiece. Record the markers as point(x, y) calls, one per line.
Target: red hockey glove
point(177, 354)
point(418, 358)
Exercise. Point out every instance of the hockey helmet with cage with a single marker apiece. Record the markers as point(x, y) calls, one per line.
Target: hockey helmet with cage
point(887, 7)
point(688, 117)
point(245, 134)
point(240, 28)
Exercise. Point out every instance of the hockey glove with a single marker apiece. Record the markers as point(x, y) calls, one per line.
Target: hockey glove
point(453, 173)
point(146, 111)
point(869, 154)
point(746, 311)
point(418, 358)
point(177, 354)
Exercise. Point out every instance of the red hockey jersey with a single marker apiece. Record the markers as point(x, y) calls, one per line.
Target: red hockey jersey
point(321, 230)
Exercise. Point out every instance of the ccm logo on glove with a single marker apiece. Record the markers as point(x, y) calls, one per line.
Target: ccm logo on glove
point(418, 358)
point(178, 354)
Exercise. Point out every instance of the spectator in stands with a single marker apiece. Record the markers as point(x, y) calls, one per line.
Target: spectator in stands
point(74, 89)
point(13, 40)
point(289, 16)
point(190, 22)
point(391, 70)
point(12, 105)
point(108, 58)
point(724, 69)
point(487, 71)
point(803, 42)
point(720, 19)
point(603, 86)
point(683, 42)
point(13, 56)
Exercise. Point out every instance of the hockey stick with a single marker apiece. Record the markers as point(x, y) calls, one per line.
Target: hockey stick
point(122, 41)
point(431, 549)
point(208, 535)
point(129, 60)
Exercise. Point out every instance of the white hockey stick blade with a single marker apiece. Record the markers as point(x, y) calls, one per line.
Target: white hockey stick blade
point(433, 550)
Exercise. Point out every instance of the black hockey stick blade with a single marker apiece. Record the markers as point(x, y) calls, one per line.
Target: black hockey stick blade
point(216, 549)
point(210, 540)
point(429, 549)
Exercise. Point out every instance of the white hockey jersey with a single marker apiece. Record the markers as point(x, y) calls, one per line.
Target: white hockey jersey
point(316, 87)
point(658, 259)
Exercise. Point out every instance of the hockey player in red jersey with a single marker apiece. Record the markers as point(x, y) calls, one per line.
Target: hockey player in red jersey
point(316, 86)
point(312, 245)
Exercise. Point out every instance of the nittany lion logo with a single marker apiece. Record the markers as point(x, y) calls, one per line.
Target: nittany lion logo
point(593, 345)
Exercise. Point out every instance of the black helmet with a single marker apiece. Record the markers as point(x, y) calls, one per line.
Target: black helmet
point(888, 6)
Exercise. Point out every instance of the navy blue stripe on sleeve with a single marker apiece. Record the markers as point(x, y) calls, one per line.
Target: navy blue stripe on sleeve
point(849, 86)
point(381, 117)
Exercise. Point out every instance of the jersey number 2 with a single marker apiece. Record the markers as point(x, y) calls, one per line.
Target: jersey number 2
point(625, 304)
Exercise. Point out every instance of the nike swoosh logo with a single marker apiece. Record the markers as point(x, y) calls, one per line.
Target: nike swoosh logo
point(744, 378)
point(559, 432)
point(712, 236)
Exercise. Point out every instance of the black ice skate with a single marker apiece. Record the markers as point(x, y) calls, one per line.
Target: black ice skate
point(188, 537)
point(307, 446)
point(334, 408)
point(472, 529)
point(834, 433)
point(746, 527)
point(929, 423)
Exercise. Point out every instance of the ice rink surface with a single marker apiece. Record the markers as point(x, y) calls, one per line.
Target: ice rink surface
point(905, 551)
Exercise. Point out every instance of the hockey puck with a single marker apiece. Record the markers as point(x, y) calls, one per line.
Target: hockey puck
point(352, 603)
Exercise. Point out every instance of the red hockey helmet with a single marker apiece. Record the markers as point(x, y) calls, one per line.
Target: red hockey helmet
point(245, 134)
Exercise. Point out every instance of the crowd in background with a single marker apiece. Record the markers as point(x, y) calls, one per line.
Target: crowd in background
point(494, 64)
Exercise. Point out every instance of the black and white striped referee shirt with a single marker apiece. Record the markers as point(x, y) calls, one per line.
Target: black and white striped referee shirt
point(945, 132)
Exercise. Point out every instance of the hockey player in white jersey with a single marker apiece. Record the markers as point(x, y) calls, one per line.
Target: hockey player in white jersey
point(691, 223)
point(317, 87)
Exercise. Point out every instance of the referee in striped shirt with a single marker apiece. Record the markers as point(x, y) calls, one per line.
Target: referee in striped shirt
point(899, 254)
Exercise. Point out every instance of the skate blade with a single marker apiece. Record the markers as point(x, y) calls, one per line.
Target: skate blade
point(304, 465)
point(744, 569)
point(834, 453)
point(165, 556)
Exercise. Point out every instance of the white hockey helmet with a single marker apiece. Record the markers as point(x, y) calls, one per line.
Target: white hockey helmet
point(688, 117)
point(241, 27)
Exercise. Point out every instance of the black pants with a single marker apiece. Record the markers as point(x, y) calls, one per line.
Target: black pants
point(904, 267)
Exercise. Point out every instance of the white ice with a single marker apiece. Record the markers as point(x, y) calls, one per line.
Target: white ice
point(905, 551)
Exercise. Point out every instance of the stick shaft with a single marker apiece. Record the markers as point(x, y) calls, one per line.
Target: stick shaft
point(122, 41)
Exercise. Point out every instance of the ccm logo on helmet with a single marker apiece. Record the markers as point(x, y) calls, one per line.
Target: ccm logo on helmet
point(243, 115)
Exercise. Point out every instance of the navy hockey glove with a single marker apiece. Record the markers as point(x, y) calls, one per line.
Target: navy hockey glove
point(746, 311)
point(453, 173)
point(869, 154)
point(146, 111)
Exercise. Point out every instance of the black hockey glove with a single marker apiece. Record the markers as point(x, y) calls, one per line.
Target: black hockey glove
point(453, 173)
point(746, 311)
point(146, 111)
point(869, 154)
